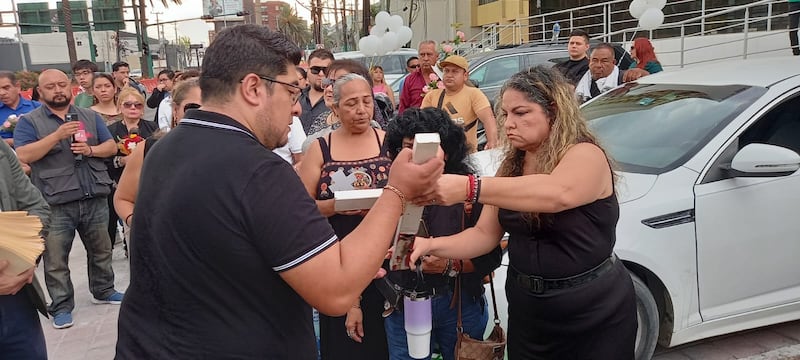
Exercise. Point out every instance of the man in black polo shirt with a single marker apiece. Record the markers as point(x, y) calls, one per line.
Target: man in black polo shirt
point(229, 250)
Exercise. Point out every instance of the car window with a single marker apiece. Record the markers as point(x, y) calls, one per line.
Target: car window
point(495, 72)
point(548, 59)
point(780, 126)
point(391, 64)
point(652, 129)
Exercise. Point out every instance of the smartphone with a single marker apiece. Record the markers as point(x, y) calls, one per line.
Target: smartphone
point(79, 136)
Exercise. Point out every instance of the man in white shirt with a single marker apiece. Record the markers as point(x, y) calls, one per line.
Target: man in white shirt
point(292, 152)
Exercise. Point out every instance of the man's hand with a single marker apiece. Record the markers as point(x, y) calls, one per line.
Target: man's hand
point(80, 148)
point(11, 284)
point(161, 86)
point(67, 130)
point(354, 324)
point(634, 74)
point(433, 264)
point(414, 180)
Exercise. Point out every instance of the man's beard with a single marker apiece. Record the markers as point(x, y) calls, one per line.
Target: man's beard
point(317, 88)
point(58, 104)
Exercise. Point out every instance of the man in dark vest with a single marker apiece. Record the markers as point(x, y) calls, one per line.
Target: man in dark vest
point(20, 294)
point(66, 159)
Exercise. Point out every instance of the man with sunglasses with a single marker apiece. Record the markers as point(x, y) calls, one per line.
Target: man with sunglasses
point(312, 101)
point(412, 64)
point(71, 174)
point(229, 250)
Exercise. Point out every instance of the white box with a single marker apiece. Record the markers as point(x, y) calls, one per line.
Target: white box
point(346, 200)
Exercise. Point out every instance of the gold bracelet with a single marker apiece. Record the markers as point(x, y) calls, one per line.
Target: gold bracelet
point(399, 194)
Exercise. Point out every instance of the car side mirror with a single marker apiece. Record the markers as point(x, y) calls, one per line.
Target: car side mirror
point(763, 160)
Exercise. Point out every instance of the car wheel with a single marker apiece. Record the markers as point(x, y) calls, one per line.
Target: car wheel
point(647, 317)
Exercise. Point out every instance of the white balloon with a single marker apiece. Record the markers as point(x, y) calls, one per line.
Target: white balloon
point(655, 4)
point(651, 19)
point(637, 8)
point(404, 35)
point(368, 45)
point(382, 19)
point(395, 23)
point(389, 41)
point(377, 31)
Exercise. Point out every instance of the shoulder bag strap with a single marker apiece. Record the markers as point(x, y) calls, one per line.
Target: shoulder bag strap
point(441, 100)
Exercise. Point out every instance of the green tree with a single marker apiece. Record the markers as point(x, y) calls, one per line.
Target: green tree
point(294, 27)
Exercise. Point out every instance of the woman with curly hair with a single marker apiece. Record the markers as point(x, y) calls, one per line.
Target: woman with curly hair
point(440, 273)
point(568, 295)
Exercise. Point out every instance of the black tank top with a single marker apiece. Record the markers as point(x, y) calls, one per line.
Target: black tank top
point(562, 244)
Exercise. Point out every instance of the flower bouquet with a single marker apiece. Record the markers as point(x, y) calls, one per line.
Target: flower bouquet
point(128, 144)
point(433, 83)
point(10, 124)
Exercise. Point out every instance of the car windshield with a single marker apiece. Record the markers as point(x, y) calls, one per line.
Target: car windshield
point(653, 129)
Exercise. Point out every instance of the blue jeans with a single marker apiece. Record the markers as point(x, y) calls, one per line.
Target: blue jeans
point(90, 218)
point(21, 334)
point(474, 316)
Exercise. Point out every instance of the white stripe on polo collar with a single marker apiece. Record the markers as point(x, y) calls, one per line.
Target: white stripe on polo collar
point(216, 125)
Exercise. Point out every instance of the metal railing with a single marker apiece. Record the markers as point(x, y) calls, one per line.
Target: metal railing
point(611, 21)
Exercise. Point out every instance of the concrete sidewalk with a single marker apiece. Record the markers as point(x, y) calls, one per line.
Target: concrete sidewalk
point(94, 335)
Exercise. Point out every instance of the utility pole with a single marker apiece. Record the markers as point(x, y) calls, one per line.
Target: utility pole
point(19, 36)
point(161, 41)
point(344, 26)
point(365, 18)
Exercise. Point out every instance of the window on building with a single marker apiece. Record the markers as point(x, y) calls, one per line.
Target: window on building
point(484, 2)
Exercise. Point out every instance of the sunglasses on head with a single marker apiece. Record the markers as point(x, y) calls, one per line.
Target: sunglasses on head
point(136, 105)
point(316, 69)
point(190, 106)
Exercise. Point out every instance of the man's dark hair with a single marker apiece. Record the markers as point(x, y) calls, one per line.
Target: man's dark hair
point(84, 64)
point(581, 33)
point(119, 64)
point(351, 66)
point(453, 140)
point(9, 75)
point(257, 50)
point(321, 54)
point(170, 74)
point(605, 46)
point(408, 62)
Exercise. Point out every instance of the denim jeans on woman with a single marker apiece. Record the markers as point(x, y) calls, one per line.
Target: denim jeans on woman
point(474, 316)
point(90, 218)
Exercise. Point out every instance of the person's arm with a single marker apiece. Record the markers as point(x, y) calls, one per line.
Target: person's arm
point(390, 93)
point(10, 284)
point(581, 177)
point(472, 242)
point(155, 98)
point(405, 96)
point(107, 146)
point(128, 188)
point(489, 125)
point(332, 280)
point(310, 169)
point(29, 149)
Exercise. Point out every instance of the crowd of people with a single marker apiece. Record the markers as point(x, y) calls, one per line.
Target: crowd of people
point(236, 235)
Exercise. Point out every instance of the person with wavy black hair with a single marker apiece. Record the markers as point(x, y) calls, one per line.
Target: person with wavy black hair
point(441, 273)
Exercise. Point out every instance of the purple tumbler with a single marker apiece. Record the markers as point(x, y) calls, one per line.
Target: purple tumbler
point(418, 323)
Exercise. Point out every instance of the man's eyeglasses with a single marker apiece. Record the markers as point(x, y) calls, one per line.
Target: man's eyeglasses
point(413, 66)
point(190, 106)
point(328, 82)
point(295, 95)
point(135, 105)
point(316, 69)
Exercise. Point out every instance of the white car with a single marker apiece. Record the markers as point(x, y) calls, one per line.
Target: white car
point(709, 196)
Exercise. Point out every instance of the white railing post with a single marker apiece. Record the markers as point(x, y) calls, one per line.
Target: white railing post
point(769, 17)
point(544, 30)
point(605, 22)
point(703, 17)
point(746, 29)
point(683, 43)
point(571, 21)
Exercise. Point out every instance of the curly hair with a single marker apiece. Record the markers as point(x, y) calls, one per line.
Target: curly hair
point(453, 140)
point(549, 89)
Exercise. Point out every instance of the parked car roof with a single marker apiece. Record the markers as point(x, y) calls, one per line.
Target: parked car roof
point(761, 72)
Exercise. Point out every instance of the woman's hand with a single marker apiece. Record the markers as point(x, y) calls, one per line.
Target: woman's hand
point(433, 264)
point(449, 190)
point(422, 246)
point(354, 324)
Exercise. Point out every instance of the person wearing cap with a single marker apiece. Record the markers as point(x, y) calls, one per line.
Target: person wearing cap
point(466, 105)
